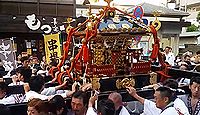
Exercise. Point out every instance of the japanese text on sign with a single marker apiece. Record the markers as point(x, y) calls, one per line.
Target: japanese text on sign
point(52, 47)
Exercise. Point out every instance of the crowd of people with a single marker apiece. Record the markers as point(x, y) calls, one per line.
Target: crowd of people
point(186, 61)
point(42, 99)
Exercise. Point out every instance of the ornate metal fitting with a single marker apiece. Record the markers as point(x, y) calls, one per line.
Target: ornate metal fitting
point(153, 78)
point(156, 23)
point(156, 13)
point(69, 20)
point(68, 28)
point(99, 54)
point(83, 40)
point(125, 82)
point(108, 1)
point(90, 25)
point(95, 83)
point(101, 11)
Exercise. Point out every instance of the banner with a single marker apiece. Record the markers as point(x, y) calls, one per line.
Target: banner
point(7, 55)
point(52, 47)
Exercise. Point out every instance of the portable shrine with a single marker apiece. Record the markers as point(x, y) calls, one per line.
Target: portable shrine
point(105, 56)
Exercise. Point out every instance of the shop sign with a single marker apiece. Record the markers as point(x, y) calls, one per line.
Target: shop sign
point(7, 55)
point(52, 47)
point(35, 24)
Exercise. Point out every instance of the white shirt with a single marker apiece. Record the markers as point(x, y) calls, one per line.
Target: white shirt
point(49, 91)
point(151, 109)
point(32, 94)
point(52, 91)
point(180, 106)
point(124, 111)
point(184, 98)
point(91, 111)
point(170, 58)
point(13, 99)
point(17, 83)
point(7, 100)
point(170, 111)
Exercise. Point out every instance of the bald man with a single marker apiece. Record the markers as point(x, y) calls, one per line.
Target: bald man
point(117, 100)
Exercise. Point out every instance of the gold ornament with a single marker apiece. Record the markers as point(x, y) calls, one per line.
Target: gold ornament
point(83, 40)
point(112, 26)
point(126, 82)
point(69, 20)
point(99, 54)
point(68, 28)
point(156, 23)
point(90, 25)
point(156, 13)
point(101, 11)
point(153, 78)
point(116, 19)
point(126, 26)
point(95, 83)
point(108, 1)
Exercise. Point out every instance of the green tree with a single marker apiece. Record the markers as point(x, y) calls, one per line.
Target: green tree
point(198, 17)
point(192, 28)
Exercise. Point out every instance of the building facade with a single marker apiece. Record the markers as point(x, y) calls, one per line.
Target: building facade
point(13, 14)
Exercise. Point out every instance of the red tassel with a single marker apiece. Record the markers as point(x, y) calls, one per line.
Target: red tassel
point(66, 48)
point(85, 53)
point(155, 51)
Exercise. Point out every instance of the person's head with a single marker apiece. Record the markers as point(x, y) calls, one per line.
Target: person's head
point(37, 107)
point(105, 107)
point(25, 61)
point(187, 58)
point(58, 102)
point(183, 67)
point(3, 89)
point(195, 87)
point(117, 99)
point(171, 83)
point(170, 49)
point(167, 49)
point(35, 60)
point(36, 83)
point(163, 96)
point(79, 102)
point(19, 57)
point(53, 62)
point(198, 52)
point(43, 58)
point(20, 73)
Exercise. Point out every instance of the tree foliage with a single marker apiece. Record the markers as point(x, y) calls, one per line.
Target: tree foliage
point(192, 28)
point(198, 17)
